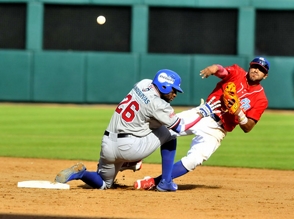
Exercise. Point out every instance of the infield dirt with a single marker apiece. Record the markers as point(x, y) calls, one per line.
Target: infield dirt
point(207, 192)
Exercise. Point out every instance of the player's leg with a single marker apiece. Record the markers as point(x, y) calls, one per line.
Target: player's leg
point(94, 180)
point(168, 144)
point(109, 171)
point(148, 183)
point(202, 147)
point(165, 182)
point(162, 138)
point(72, 173)
point(168, 151)
point(103, 177)
point(135, 166)
point(79, 172)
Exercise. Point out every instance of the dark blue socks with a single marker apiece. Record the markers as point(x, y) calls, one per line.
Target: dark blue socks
point(92, 179)
point(168, 152)
point(178, 170)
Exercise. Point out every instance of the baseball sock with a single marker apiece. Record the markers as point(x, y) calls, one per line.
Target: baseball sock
point(93, 179)
point(178, 170)
point(168, 152)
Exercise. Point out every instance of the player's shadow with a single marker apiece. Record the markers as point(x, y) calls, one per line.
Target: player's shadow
point(24, 216)
point(115, 186)
point(84, 186)
point(193, 186)
point(180, 187)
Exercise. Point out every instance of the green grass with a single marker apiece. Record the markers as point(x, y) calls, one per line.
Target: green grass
point(52, 132)
point(268, 145)
point(75, 132)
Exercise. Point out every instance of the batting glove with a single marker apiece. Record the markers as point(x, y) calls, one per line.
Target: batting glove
point(208, 108)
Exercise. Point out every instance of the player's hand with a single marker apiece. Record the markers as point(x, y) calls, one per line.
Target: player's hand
point(231, 99)
point(209, 107)
point(201, 101)
point(205, 73)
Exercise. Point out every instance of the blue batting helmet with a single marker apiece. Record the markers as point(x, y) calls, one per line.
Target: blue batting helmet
point(261, 62)
point(166, 80)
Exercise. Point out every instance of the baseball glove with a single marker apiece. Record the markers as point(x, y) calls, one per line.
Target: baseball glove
point(230, 98)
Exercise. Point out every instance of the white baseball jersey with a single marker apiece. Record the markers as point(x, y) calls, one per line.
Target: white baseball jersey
point(141, 111)
point(143, 115)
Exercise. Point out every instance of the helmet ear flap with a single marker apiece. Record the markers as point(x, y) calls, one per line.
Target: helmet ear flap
point(163, 89)
point(167, 89)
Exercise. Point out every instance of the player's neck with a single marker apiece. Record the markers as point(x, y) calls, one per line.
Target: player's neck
point(251, 82)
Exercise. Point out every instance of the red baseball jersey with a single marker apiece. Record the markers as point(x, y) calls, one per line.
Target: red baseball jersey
point(252, 98)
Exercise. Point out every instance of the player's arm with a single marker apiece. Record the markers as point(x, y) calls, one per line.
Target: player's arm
point(204, 110)
point(216, 69)
point(232, 103)
point(245, 123)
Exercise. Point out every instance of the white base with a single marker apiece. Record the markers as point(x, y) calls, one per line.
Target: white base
point(41, 184)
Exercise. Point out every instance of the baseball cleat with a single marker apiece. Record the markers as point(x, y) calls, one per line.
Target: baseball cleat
point(147, 183)
point(165, 186)
point(135, 166)
point(73, 173)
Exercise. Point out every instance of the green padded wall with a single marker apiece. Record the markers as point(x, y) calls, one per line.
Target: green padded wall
point(15, 74)
point(279, 85)
point(36, 75)
point(201, 88)
point(139, 28)
point(59, 77)
point(110, 76)
point(246, 33)
point(181, 64)
point(34, 40)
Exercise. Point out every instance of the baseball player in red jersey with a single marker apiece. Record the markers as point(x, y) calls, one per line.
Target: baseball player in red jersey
point(210, 131)
point(140, 124)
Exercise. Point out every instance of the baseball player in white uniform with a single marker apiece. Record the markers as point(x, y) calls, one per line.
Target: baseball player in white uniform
point(250, 103)
point(140, 124)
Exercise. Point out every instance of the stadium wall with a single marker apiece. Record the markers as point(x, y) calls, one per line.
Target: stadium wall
point(35, 74)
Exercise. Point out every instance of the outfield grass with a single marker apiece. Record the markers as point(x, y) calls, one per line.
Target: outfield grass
point(75, 132)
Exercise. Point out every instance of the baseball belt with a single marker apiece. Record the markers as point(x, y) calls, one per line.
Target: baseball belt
point(119, 135)
point(217, 119)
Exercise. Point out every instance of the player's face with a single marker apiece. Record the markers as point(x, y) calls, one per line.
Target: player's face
point(170, 96)
point(256, 73)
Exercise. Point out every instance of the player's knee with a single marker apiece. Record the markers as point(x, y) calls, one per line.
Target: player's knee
point(170, 145)
point(190, 163)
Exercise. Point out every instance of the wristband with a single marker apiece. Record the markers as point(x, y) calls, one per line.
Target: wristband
point(242, 118)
